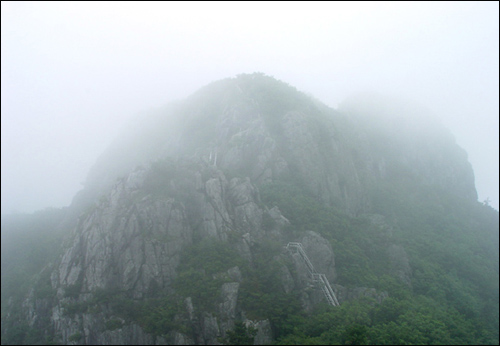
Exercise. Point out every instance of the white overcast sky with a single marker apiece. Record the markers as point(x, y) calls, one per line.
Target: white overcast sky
point(74, 73)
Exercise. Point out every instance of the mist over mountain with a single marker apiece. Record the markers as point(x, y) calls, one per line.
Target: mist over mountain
point(187, 227)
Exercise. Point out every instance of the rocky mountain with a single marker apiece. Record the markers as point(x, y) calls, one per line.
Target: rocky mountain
point(179, 235)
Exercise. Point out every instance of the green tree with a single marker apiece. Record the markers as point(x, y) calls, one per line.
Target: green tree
point(240, 335)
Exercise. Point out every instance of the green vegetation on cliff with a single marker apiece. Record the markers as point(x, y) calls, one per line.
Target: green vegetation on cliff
point(452, 246)
point(396, 205)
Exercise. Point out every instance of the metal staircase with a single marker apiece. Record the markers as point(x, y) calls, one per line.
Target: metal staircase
point(320, 279)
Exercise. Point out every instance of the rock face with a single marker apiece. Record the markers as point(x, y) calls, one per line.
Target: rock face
point(131, 241)
point(119, 244)
point(402, 137)
point(256, 127)
point(192, 172)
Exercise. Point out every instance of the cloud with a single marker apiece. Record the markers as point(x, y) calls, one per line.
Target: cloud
point(73, 74)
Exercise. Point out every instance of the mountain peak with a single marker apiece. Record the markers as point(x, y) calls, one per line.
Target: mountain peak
point(257, 126)
point(180, 232)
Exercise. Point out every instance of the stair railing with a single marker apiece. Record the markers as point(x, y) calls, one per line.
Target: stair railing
point(319, 279)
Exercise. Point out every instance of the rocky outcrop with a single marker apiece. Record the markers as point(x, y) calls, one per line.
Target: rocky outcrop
point(257, 127)
point(121, 242)
point(400, 138)
point(264, 332)
point(192, 172)
point(320, 254)
point(130, 242)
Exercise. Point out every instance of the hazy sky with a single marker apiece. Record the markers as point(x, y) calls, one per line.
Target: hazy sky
point(74, 73)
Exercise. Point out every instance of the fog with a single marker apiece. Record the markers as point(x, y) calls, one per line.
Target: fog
point(75, 73)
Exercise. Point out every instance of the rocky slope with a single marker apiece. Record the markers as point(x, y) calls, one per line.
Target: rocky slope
point(131, 240)
point(257, 127)
point(192, 172)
